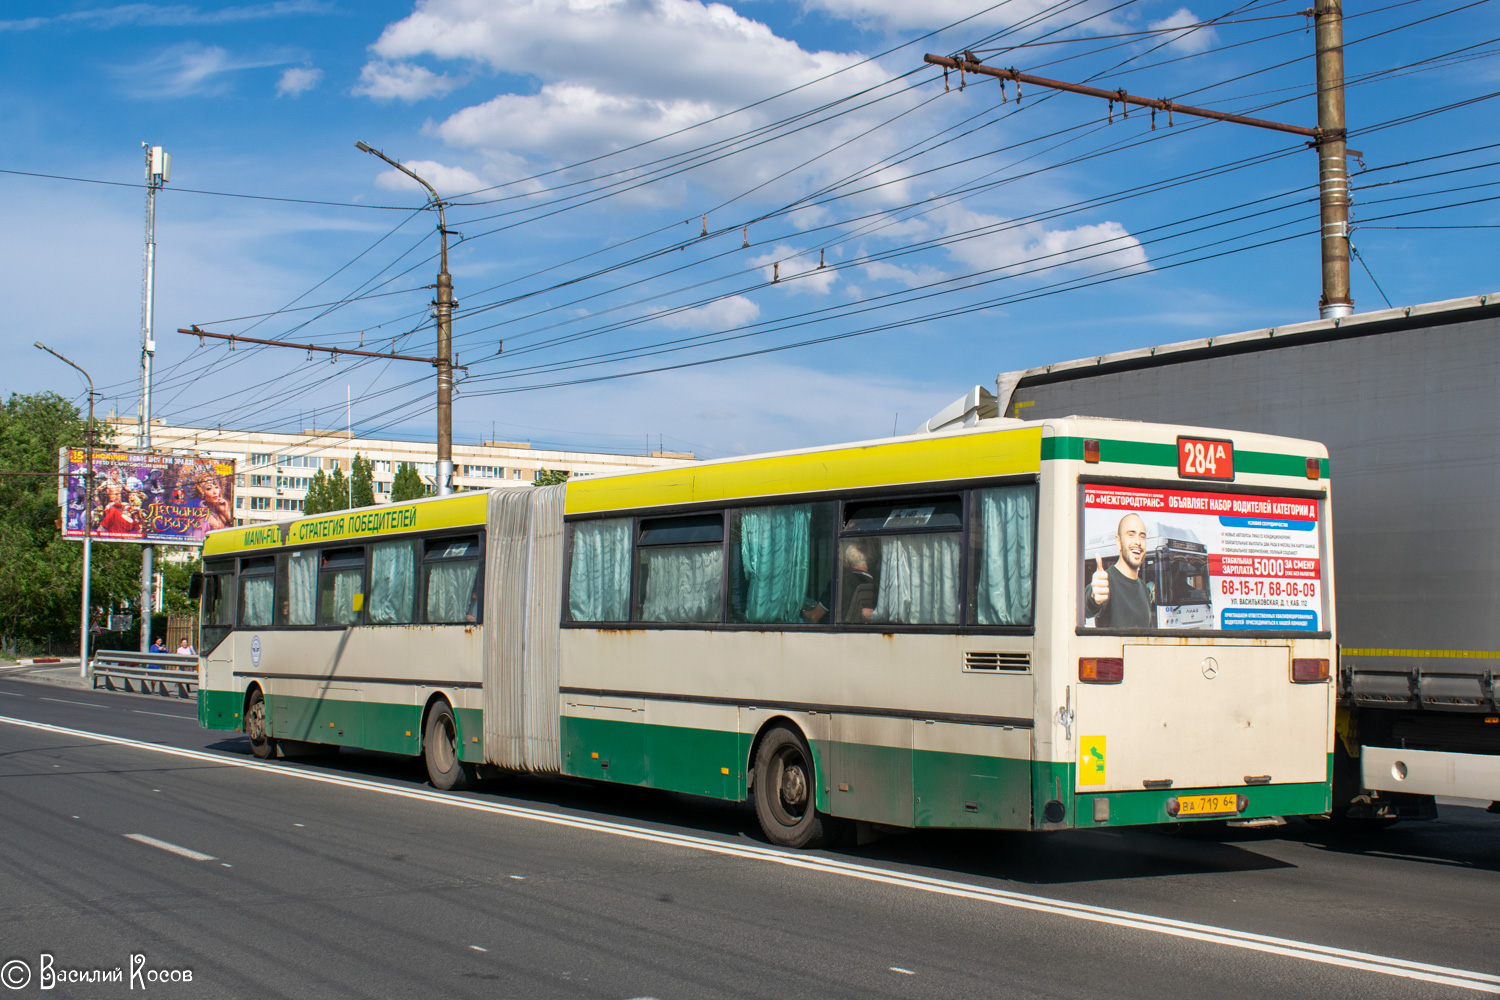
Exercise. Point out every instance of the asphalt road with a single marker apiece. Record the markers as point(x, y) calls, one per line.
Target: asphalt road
point(347, 876)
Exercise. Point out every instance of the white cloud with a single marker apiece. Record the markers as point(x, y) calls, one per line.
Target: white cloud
point(612, 73)
point(721, 314)
point(940, 13)
point(1199, 40)
point(796, 270)
point(297, 81)
point(911, 277)
point(190, 69)
point(386, 81)
point(447, 180)
point(167, 15)
point(1032, 246)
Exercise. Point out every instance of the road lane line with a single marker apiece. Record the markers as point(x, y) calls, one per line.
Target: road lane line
point(1208, 933)
point(165, 715)
point(64, 701)
point(186, 852)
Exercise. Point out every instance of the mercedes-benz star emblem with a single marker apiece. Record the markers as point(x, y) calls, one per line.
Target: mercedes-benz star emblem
point(1210, 667)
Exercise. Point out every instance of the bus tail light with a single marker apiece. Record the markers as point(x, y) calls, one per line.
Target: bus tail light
point(1091, 452)
point(1314, 468)
point(1309, 671)
point(1101, 669)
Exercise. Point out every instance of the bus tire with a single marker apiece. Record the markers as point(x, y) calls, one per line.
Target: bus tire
point(261, 743)
point(440, 750)
point(786, 792)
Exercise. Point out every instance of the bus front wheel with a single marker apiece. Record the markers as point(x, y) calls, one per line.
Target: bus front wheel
point(261, 743)
point(440, 750)
point(786, 790)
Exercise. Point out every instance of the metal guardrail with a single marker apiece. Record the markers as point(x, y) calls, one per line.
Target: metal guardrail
point(152, 671)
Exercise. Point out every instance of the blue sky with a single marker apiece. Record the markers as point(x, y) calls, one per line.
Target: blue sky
point(582, 142)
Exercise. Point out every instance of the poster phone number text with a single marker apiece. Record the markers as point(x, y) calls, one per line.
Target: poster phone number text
point(1268, 588)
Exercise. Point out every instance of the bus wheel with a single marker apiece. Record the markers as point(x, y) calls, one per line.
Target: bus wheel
point(440, 749)
point(261, 744)
point(785, 790)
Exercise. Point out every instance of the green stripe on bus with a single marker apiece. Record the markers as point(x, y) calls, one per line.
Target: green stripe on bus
point(220, 709)
point(1139, 808)
point(1260, 463)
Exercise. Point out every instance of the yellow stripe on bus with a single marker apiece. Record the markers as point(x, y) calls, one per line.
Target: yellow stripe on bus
point(366, 522)
point(1450, 654)
point(921, 460)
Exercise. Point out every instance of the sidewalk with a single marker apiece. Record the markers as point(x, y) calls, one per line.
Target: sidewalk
point(65, 674)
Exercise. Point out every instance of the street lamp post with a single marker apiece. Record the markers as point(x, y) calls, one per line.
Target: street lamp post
point(444, 335)
point(88, 516)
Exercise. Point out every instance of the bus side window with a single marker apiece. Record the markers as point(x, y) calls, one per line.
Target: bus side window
point(450, 580)
point(302, 588)
point(899, 561)
point(393, 582)
point(218, 604)
point(257, 591)
point(780, 564)
point(599, 571)
point(1003, 561)
point(680, 569)
point(341, 587)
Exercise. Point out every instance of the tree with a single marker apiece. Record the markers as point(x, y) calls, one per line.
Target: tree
point(408, 484)
point(316, 501)
point(337, 496)
point(363, 476)
point(549, 477)
point(39, 572)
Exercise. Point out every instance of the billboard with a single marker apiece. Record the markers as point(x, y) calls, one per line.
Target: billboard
point(1178, 560)
point(146, 497)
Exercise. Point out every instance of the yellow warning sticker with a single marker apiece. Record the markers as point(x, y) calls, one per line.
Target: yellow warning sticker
point(1091, 760)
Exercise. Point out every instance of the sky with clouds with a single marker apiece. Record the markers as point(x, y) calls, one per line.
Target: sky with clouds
point(717, 227)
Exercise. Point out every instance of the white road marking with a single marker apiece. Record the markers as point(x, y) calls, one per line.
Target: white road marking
point(477, 948)
point(12, 694)
point(904, 972)
point(186, 852)
point(64, 701)
point(1208, 933)
point(164, 715)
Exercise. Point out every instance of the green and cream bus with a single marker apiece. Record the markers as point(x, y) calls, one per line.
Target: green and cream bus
point(906, 632)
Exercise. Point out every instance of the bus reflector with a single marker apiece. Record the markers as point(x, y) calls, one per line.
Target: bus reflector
point(1101, 669)
point(1314, 469)
point(1091, 451)
point(1309, 671)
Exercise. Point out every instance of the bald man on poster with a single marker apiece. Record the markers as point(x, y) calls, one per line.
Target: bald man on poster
point(1118, 597)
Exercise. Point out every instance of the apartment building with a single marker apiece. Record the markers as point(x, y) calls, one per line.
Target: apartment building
point(274, 471)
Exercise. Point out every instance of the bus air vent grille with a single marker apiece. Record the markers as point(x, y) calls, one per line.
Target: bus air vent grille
point(975, 660)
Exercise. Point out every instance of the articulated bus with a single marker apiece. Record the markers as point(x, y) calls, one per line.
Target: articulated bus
point(909, 632)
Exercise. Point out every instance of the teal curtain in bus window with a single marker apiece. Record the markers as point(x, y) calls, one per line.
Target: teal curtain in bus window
point(919, 579)
point(681, 583)
point(393, 582)
point(256, 594)
point(1007, 557)
point(450, 590)
point(302, 584)
point(775, 557)
point(599, 579)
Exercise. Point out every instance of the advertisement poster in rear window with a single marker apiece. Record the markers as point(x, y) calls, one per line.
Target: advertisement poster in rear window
point(1177, 560)
point(144, 497)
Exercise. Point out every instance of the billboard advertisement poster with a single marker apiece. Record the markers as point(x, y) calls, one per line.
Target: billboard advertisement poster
point(1178, 560)
point(146, 497)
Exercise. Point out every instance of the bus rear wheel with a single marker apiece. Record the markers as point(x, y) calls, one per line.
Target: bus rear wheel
point(261, 743)
point(786, 790)
point(440, 750)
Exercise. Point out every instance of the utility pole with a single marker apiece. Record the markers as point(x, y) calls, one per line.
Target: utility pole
point(1333, 160)
point(1328, 138)
point(158, 172)
point(444, 306)
point(88, 516)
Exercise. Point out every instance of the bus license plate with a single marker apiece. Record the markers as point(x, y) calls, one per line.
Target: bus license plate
point(1206, 805)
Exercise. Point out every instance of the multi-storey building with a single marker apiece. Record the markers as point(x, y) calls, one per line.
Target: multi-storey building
point(274, 471)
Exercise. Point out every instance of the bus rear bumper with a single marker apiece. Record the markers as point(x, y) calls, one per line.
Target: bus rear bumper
point(1093, 810)
point(1431, 772)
